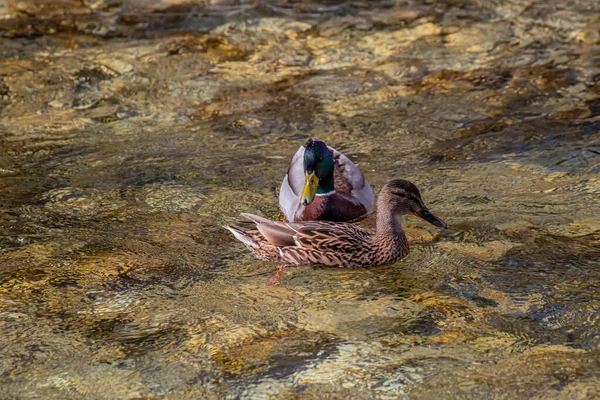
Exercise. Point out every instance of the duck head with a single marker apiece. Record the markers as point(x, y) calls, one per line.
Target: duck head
point(318, 171)
point(403, 197)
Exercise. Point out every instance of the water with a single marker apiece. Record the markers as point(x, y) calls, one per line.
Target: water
point(131, 132)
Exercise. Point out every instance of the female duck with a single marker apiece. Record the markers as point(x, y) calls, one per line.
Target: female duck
point(340, 244)
point(323, 184)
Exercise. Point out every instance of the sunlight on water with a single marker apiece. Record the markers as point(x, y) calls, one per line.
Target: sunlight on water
point(130, 132)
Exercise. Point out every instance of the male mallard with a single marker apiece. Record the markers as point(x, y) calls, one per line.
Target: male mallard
point(323, 184)
point(340, 244)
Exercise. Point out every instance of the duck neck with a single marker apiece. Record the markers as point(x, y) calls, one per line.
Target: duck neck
point(389, 225)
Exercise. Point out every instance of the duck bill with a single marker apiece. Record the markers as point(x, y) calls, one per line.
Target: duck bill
point(429, 217)
point(311, 183)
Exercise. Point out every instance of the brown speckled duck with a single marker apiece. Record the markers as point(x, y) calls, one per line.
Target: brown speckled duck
point(322, 184)
point(340, 244)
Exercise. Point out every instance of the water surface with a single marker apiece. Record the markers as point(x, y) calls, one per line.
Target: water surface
point(131, 131)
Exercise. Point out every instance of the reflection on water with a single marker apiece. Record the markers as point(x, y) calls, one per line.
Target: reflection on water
point(130, 132)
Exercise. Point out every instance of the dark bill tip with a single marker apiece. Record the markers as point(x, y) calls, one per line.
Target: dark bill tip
point(432, 219)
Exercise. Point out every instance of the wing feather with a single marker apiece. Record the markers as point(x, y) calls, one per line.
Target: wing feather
point(277, 234)
point(350, 181)
point(256, 218)
point(329, 237)
point(291, 187)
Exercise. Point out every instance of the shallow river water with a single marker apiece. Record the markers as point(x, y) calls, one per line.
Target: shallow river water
point(131, 131)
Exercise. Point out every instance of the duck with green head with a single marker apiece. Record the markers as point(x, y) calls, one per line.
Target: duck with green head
point(323, 184)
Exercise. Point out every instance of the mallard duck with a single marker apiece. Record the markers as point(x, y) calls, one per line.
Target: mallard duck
point(323, 184)
point(336, 243)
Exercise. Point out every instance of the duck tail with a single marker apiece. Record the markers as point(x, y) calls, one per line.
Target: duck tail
point(240, 234)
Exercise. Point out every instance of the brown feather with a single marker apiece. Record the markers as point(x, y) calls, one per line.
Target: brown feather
point(277, 234)
point(341, 184)
point(331, 243)
point(337, 207)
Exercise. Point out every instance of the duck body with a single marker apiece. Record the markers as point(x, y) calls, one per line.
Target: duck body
point(339, 244)
point(340, 193)
point(335, 207)
point(320, 243)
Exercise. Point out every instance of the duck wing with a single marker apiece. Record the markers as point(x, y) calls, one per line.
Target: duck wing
point(291, 188)
point(334, 237)
point(350, 181)
point(323, 236)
